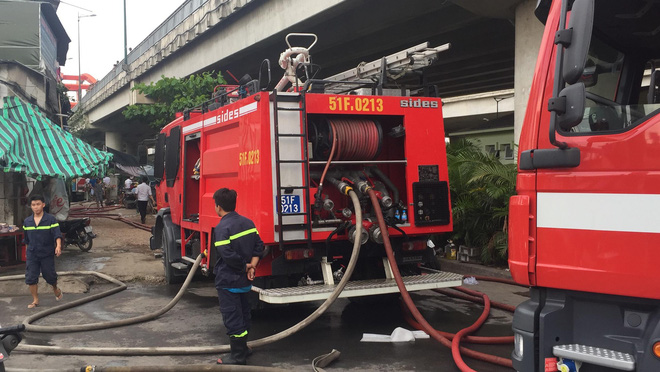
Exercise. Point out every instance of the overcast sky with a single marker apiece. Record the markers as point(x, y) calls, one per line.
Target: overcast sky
point(102, 36)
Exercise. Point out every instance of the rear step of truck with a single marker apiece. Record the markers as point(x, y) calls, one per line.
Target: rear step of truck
point(358, 288)
point(595, 355)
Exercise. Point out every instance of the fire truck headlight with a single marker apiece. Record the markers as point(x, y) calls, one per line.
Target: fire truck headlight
point(518, 344)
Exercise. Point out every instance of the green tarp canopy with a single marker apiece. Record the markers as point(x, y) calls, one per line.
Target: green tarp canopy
point(30, 143)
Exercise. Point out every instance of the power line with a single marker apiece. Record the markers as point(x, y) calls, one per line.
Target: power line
point(76, 6)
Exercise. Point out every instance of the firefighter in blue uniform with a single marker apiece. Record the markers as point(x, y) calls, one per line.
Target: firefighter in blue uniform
point(238, 248)
point(44, 242)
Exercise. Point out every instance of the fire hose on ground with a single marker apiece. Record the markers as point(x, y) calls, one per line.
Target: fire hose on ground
point(471, 296)
point(454, 345)
point(82, 208)
point(112, 216)
point(92, 211)
point(134, 351)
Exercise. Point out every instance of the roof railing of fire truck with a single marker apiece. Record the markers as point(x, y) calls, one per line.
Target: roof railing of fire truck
point(220, 98)
point(203, 107)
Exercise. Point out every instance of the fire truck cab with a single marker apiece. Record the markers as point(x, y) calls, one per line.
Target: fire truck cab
point(584, 227)
point(292, 154)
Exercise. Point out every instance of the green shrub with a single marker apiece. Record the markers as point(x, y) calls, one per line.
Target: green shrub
point(480, 188)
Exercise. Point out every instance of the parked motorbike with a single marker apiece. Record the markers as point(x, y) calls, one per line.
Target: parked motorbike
point(10, 337)
point(78, 231)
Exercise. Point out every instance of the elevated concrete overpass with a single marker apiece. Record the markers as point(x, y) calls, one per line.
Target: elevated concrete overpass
point(236, 35)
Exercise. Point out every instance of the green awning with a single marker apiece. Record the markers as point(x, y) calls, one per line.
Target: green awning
point(30, 143)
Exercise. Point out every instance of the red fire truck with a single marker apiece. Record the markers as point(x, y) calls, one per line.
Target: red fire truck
point(584, 228)
point(291, 154)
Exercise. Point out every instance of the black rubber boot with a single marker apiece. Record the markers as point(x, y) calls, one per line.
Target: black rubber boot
point(239, 352)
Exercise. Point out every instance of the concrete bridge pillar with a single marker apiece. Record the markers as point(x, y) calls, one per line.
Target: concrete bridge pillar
point(131, 148)
point(529, 31)
point(113, 140)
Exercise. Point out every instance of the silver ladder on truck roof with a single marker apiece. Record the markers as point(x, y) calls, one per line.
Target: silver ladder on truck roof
point(413, 58)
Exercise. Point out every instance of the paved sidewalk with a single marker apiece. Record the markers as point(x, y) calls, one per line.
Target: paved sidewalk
point(467, 269)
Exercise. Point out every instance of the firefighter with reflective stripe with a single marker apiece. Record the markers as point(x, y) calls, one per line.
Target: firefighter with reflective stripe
point(238, 248)
point(44, 241)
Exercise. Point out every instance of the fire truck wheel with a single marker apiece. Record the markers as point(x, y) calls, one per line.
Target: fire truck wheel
point(171, 276)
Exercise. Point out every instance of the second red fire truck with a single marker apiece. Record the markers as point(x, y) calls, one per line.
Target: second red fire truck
point(292, 154)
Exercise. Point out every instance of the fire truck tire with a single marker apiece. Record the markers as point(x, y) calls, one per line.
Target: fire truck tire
point(172, 275)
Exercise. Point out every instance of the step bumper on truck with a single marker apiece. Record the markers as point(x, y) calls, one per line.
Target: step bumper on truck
point(596, 356)
point(358, 288)
point(598, 331)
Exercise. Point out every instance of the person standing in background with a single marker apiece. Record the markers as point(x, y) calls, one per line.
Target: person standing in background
point(107, 186)
point(128, 183)
point(98, 193)
point(88, 188)
point(143, 192)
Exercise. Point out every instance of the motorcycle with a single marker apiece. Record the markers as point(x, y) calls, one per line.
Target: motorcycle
point(78, 231)
point(10, 337)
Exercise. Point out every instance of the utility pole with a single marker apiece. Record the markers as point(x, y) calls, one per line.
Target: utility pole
point(79, 73)
point(125, 40)
point(79, 70)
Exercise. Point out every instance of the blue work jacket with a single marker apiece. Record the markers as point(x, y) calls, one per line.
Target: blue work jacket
point(41, 239)
point(236, 241)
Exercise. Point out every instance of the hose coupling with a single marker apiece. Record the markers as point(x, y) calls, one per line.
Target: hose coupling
point(376, 234)
point(386, 202)
point(352, 235)
point(363, 186)
point(328, 204)
point(347, 212)
point(344, 188)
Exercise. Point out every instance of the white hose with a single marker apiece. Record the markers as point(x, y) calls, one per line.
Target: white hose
point(178, 350)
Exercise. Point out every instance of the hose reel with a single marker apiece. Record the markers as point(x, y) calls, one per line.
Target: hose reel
point(357, 138)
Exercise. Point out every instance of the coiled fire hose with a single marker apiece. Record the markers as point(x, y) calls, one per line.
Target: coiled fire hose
point(133, 351)
point(453, 345)
point(356, 139)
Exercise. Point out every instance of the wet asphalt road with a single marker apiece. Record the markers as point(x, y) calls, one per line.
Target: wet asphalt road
point(196, 321)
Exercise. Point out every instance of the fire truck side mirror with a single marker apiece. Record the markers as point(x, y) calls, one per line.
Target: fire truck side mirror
point(576, 39)
point(569, 106)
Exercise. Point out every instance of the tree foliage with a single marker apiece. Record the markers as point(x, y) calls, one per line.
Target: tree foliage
point(172, 95)
point(480, 189)
point(64, 105)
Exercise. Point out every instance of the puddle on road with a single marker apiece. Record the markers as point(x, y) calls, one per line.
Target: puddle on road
point(108, 316)
point(97, 263)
